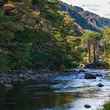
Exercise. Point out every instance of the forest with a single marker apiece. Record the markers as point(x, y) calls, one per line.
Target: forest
point(38, 35)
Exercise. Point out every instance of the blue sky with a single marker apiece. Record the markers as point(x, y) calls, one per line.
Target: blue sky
point(100, 7)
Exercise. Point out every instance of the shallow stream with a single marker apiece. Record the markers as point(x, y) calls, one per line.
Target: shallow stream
point(66, 91)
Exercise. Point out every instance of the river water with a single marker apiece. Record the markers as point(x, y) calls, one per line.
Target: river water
point(67, 91)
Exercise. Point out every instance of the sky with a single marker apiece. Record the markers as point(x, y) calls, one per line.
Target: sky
point(100, 7)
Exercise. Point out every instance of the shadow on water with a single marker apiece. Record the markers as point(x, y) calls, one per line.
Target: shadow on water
point(26, 98)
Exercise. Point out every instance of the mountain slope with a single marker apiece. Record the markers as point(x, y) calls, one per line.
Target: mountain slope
point(87, 20)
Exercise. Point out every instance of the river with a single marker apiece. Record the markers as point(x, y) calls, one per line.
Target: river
point(67, 91)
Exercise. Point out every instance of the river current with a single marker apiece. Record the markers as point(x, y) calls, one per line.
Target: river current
point(67, 91)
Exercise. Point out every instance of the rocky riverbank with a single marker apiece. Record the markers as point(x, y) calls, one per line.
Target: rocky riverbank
point(83, 87)
point(9, 79)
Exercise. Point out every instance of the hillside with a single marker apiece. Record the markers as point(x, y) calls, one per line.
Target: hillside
point(35, 35)
point(87, 20)
point(39, 35)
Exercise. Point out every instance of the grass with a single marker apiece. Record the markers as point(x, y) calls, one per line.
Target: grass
point(107, 106)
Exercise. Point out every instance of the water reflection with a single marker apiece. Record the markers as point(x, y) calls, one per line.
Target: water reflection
point(17, 99)
point(67, 94)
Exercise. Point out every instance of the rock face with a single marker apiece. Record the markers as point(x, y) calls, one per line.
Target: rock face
point(85, 19)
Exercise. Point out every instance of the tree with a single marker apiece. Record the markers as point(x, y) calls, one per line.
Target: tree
point(106, 44)
point(92, 39)
point(38, 35)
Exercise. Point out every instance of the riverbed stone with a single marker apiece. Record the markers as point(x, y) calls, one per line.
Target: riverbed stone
point(87, 106)
point(100, 85)
point(90, 76)
point(8, 86)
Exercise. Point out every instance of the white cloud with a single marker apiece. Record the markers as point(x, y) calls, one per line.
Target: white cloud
point(100, 7)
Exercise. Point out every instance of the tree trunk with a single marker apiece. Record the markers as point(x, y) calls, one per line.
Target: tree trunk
point(104, 49)
point(94, 51)
point(89, 52)
point(97, 50)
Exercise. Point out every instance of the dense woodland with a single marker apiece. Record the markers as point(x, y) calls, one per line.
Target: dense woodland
point(36, 34)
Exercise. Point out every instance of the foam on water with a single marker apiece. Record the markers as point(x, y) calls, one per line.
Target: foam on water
point(90, 93)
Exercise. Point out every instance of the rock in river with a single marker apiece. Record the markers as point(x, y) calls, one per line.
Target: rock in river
point(90, 76)
point(87, 106)
point(100, 85)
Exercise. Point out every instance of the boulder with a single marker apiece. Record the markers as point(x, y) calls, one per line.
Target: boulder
point(82, 70)
point(97, 65)
point(87, 106)
point(8, 85)
point(90, 76)
point(99, 75)
point(1, 3)
point(100, 85)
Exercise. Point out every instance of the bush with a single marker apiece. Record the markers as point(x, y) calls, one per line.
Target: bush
point(107, 106)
